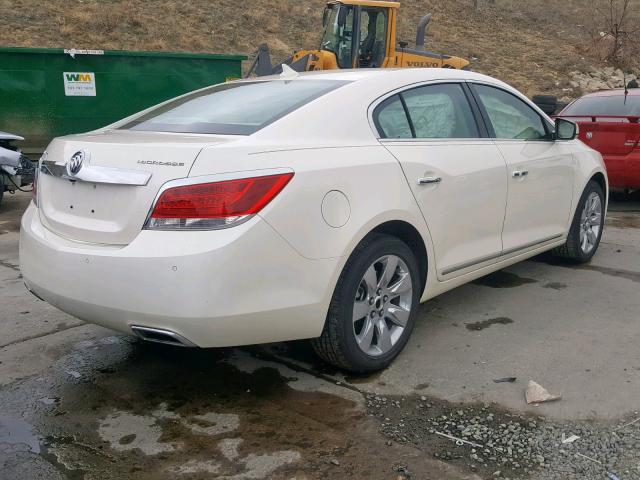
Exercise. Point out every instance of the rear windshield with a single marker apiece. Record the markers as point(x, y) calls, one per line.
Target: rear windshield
point(233, 108)
point(616, 105)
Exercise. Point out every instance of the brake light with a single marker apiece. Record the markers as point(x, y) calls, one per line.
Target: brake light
point(209, 206)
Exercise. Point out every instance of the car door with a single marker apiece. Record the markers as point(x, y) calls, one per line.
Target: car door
point(540, 170)
point(455, 172)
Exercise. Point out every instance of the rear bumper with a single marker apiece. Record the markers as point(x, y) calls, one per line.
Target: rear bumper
point(623, 170)
point(239, 286)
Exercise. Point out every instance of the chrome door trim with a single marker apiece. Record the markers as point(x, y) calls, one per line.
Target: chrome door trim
point(97, 174)
point(471, 263)
point(527, 246)
point(505, 253)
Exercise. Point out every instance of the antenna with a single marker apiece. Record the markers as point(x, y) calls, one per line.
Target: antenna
point(288, 72)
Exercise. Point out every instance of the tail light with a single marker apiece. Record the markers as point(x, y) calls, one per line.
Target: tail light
point(210, 206)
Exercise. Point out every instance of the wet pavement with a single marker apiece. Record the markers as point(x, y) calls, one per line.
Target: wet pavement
point(113, 407)
point(81, 402)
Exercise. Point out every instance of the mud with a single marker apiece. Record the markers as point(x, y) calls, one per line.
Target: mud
point(487, 323)
point(121, 409)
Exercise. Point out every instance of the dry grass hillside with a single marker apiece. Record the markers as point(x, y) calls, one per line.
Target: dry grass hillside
point(532, 44)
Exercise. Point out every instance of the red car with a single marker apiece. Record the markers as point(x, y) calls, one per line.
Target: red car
point(610, 123)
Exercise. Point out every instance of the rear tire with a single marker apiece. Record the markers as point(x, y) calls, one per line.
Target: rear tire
point(374, 306)
point(587, 226)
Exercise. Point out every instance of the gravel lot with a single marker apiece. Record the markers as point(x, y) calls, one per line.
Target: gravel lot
point(80, 402)
point(504, 444)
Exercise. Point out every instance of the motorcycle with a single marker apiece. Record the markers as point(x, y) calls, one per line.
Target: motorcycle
point(16, 170)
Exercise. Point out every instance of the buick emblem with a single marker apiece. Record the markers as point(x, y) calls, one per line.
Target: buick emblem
point(74, 165)
point(589, 135)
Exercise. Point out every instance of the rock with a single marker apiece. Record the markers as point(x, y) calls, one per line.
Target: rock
point(536, 393)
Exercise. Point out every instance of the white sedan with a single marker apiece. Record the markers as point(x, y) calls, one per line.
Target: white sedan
point(324, 206)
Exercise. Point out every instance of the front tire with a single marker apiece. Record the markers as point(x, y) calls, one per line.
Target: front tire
point(374, 306)
point(587, 226)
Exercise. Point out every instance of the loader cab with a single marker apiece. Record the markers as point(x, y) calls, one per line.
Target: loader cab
point(358, 34)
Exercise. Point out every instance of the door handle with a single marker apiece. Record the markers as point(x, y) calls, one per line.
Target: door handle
point(520, 173)
point(429, 180)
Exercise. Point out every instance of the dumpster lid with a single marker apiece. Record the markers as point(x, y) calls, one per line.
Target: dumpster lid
point(76, 52)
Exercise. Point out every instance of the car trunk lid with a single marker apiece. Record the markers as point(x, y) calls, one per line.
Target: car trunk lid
point(609, 135)
point(108, 199)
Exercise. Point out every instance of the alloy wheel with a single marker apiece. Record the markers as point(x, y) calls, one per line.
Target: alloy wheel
point(382, 305)
point(590, 223)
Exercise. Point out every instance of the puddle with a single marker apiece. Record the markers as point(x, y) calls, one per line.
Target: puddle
point(477, 326)
point(503, 279)
point(148, 412)
point(634, 276)
point(555, 285)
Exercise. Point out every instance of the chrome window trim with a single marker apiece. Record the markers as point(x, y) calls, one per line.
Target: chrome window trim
point(458, 141)
point(218, 177)
point(96, 174)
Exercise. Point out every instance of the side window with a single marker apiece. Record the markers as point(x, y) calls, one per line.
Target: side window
point(511, 117)
point(440, 111)
point(391, 119)
point(373, 37)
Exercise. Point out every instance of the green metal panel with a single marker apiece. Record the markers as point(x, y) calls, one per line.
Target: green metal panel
point(33, 103)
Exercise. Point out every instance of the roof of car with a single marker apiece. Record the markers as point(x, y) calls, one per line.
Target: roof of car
point(613, 93)
point(415, 74)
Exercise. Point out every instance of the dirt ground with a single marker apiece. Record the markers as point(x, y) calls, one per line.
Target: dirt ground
point(81, 402)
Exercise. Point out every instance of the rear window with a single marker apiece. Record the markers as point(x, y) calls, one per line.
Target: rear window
point(616, 105)
point(233, 108)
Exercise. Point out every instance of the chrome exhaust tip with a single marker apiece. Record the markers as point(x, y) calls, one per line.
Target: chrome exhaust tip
point(33, 293)
point(158, 335)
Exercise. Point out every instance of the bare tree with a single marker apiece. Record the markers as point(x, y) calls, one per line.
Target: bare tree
point(613, 29)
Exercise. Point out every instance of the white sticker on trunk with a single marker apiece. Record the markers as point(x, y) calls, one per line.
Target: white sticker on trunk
point(79, 84)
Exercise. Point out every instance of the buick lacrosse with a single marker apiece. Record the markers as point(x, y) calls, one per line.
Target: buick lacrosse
point(322, 206)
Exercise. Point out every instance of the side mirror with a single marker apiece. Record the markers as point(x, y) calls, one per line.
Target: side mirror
point(565, 130)
point(325, 17)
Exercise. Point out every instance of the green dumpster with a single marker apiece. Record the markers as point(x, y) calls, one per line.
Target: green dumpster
point(45, 93)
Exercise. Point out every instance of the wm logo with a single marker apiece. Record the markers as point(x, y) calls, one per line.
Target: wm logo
point(78, 77)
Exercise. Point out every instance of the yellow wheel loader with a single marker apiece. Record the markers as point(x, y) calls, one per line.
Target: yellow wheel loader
point(360, 34)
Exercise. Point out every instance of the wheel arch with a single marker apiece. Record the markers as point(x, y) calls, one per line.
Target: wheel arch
point(411, 236)
point(600, 179)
